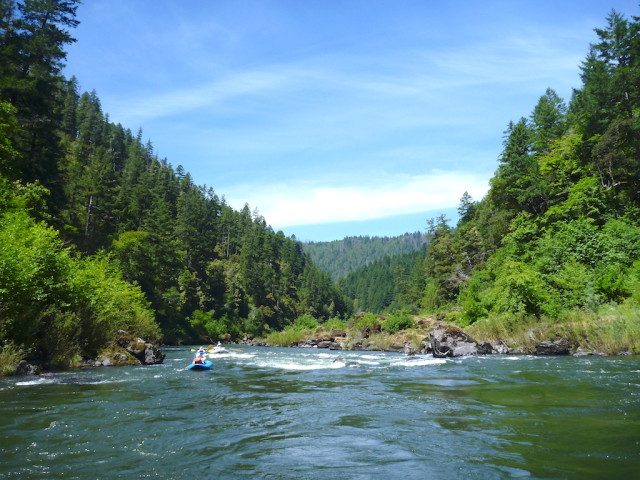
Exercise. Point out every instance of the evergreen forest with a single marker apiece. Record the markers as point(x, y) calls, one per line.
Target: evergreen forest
point(341, 257)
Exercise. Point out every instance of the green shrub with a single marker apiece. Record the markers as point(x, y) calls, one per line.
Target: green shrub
point(305, 322)
point(334, 323)
point(398, 321)
point(519, 289)
point(57, 306)
point(287, 337)
point(366, 320)
point(10, 356)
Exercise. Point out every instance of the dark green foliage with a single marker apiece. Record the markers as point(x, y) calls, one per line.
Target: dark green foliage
point(188, 251)
point(559, 229)
point(381, 286)
point(398, 321)
point(341, 257)
point(32, 40)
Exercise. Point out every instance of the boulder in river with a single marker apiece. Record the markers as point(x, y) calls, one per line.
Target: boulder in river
point(553, 347)
point(146, 352)
point(25, 368)
point(115, 357)
point(129, 350)
point(451, 341)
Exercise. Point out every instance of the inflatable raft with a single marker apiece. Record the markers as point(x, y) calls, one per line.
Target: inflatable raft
point(201, 366)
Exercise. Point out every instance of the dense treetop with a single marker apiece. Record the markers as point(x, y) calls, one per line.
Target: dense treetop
point(340, 257)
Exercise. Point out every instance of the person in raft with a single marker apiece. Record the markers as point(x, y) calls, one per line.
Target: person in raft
point(200, 356)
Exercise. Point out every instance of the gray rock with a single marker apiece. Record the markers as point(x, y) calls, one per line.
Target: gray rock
point(116, 358)
point(501, 348)
point(553, 347)
point(426, 346)
point(409, 349)
point(152, 356)
point(452, 341)
point(25, 368)
point(580, 352)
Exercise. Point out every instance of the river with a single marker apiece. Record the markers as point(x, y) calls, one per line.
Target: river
point(315, 414)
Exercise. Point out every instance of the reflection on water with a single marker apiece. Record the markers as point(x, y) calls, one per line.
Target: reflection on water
point(303, 413)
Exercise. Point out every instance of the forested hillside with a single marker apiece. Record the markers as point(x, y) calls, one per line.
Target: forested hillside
point(383, 285)
point(103, 234)
point(341, 257)
point(557, 238)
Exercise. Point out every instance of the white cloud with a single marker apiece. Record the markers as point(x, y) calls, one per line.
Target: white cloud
point(304, 203)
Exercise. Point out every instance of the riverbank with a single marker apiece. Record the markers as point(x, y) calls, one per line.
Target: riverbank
point(611, 331)
point(124, 350)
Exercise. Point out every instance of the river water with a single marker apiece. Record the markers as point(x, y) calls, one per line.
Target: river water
point(316, 414)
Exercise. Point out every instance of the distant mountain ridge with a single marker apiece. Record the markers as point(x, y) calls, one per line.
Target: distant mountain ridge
point(340, 257)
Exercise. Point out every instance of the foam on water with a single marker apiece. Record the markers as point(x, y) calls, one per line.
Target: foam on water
point(213, 356)
point(37, 381)
point(302, 361)
point(419, 362)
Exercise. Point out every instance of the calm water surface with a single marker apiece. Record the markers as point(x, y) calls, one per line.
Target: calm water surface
point(315, 414)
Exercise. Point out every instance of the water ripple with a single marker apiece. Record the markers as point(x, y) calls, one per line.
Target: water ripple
point(312, 414)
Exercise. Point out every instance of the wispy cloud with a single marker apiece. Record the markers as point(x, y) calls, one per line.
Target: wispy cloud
point(312, 118)
point(321, 88)
point(306, 203)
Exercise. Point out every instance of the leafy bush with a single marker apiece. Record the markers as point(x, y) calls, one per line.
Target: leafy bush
point(334, 323)
point(366, 320)
point(305, 322)
point(58, 307)
point(518, 289)
point(10, 355)
point(398, 321)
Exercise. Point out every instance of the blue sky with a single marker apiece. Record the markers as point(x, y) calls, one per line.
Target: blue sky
point(333, 117)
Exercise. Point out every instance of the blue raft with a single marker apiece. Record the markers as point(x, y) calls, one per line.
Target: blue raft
point(201, 366)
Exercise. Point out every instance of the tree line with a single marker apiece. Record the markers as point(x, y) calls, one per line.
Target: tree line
point(340, 257)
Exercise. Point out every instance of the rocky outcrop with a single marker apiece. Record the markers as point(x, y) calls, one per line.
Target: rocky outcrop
point(115, 357)
point(451, 341)
point(329, 342)
point(501, 348)
point(25, 368)
point(129, 350)
point(146, 352)
point(553, 347)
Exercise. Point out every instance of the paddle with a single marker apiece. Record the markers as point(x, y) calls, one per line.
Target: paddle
point(234, 349)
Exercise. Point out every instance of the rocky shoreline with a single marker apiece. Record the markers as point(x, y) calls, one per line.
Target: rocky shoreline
point(124, 350)
point(127, 350)
point(440, 339)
